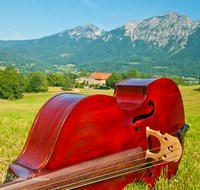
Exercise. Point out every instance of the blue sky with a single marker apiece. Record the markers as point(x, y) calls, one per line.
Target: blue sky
point(32, 19)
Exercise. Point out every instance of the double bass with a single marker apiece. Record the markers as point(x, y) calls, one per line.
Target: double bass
point(103, 142)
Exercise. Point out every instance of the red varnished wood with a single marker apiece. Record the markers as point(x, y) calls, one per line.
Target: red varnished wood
point(71, 129)
point(45, 131)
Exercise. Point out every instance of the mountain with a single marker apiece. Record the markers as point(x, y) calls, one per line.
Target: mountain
point(166, 44)
point(163, 29)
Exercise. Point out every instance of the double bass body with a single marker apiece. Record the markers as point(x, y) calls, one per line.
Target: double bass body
point(71, 129)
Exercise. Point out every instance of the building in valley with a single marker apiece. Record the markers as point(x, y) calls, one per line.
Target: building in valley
point(95, 78)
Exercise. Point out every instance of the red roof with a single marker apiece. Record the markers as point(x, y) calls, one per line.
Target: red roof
point(102, 76)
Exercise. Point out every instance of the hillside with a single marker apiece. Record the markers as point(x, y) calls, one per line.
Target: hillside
point(21, 63)
point(161, 45)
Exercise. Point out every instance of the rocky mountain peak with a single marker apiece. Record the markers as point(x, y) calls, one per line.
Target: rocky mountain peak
point(161, 29)
point(170, 13)
point(89, 31)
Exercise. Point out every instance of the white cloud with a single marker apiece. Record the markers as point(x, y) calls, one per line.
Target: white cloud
point(88, 2)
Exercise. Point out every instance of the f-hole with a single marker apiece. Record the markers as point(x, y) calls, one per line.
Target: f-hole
point(139, 117)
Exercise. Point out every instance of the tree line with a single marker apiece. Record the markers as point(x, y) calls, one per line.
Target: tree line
point(116, 77)
point(14, 84)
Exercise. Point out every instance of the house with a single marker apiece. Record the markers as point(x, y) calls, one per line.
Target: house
point(91, 80)
point(95, 78)
point(101, 77)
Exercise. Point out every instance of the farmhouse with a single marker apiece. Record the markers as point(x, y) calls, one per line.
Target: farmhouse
point(95, 78)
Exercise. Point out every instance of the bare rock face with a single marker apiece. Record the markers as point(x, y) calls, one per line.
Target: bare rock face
point(89, 31)
point(163, 29)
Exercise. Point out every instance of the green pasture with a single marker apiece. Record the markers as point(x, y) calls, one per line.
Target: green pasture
point(16, 118)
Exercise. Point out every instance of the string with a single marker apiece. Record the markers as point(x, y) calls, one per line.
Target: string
point(108, 173)
point(116, 160)
point(106, 163)
point(108, 167)
point(107, 177)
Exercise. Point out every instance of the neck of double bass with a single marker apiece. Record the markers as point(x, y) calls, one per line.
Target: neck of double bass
point(87, 173)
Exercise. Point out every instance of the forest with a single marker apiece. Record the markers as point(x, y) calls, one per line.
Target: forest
point(14, 84)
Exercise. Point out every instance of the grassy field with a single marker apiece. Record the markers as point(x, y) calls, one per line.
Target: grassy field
point(16, 118)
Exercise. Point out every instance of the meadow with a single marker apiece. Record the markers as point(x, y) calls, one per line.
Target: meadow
point(16, 118)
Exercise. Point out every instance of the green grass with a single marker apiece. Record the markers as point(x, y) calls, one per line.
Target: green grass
point(191, 100)
point(14, 130)
point(16, 118)
point(31, 103)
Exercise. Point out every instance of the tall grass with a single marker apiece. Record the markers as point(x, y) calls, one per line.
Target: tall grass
point(16, 118)
point(14, 130)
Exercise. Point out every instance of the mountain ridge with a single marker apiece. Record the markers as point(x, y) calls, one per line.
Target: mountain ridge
point(149, 45)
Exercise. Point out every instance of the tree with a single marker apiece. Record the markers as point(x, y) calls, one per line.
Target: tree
point(83, 73)
point(124, 76)
point(44, 86)
point(95, 85)
point(72, 75)
point(133, 74)
point(84, 83)
point(51, 79)
point(113, 79)
point(81, 85)
point(77, 84)
point(12, 84)
point(149, 76)
point(177, 80)
point(67, 85)
point(37, 82)
point(144, 76)
point(56, 79)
